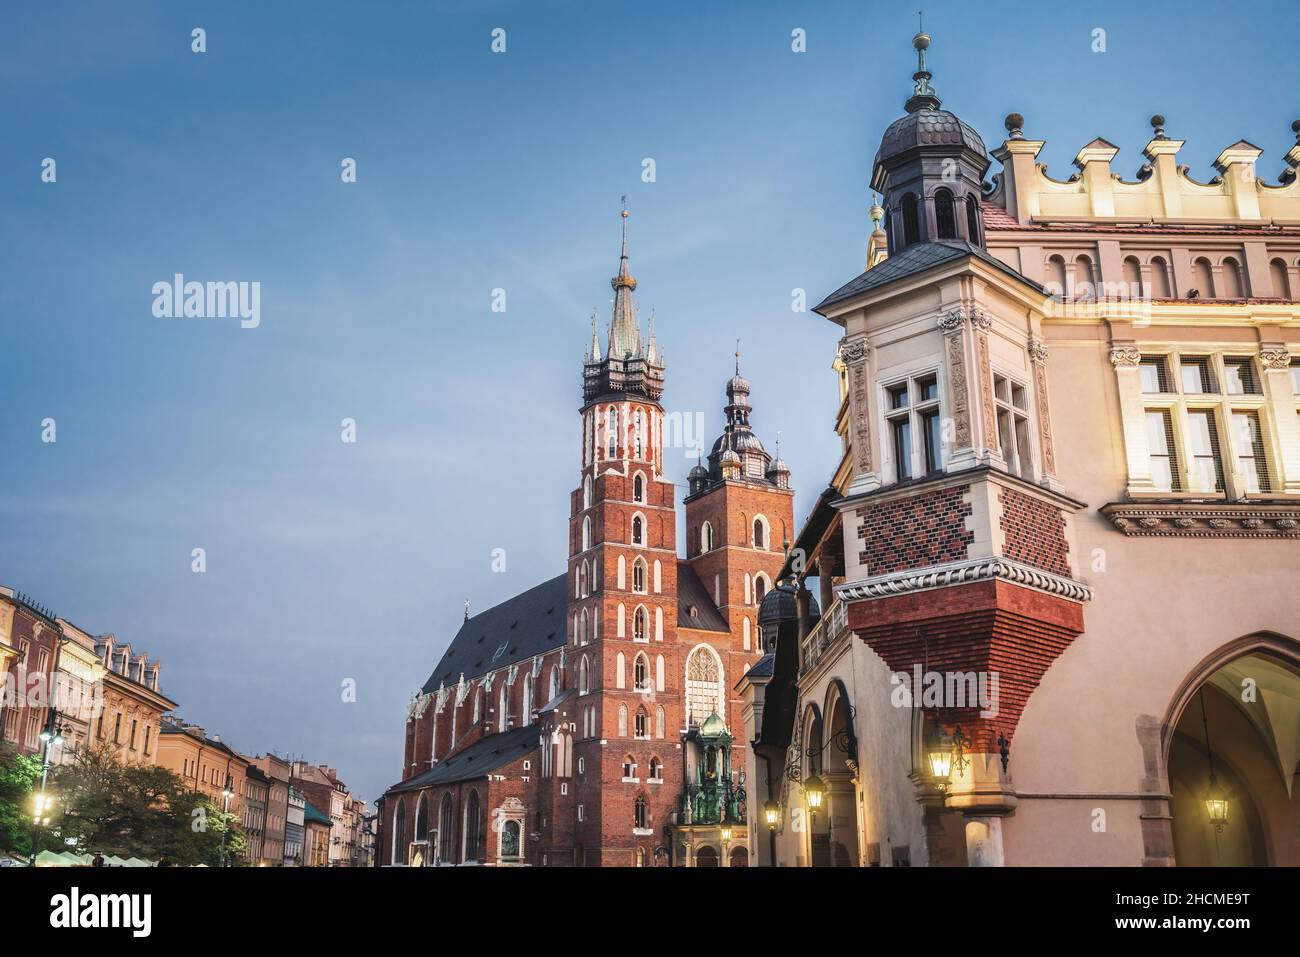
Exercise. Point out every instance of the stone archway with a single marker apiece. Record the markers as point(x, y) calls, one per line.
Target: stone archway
point(840, 771)
point(740, 857)
point(1245, 699)
point(707, 856)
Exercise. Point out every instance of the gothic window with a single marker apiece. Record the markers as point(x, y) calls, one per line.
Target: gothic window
point(478, 698)
point(659, 722)
point(586, 494)
point(642, 725)
point(619, 663)
point(526, 713)
point(703, 684)
point(638, 625)
point(622, 721)
point(582, 579)
point(706, 537)
point(760, 589)
point(555, 683)
point(641, 816)
point(656, 769)
point(639, 576)
point(973, 219)
point(584, 676)
point(659, 672)
point(399, 833)
point(760, 532)
point(582, 630)
point(911, 224)
point(472, 827)
point(629, 766)
point(945, 218)
point(586, 533)
point(640, 419)
point(638, 530)
point(445, 822)
point(641, 673)
point(659, 577)
point(638, 488)
point(422, 819)
point(503, 711)
point(611, 427)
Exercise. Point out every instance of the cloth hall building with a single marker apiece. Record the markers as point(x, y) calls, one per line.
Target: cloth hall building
point(1057, 563)
point(593, 719)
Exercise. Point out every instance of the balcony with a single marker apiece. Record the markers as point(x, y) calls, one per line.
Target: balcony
point(831, 630)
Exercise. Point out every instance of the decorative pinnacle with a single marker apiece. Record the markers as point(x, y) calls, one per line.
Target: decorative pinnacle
point(1014, 123)
point(1295, 128)
point(923, 95)
point(737, 357)
point(1158, 124)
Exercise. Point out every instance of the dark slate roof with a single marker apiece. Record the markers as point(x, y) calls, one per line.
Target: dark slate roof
point(691, 593)
point(762, 668)
point(927, 128)
point(517, 629)
point(915, 259)
point(482, 757)
point(779, 605)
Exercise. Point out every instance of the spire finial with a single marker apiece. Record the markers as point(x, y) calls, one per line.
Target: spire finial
point(923, 95)
point(737, 357)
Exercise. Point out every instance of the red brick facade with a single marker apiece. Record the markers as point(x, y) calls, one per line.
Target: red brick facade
point(1034, 532)
point(916, 531)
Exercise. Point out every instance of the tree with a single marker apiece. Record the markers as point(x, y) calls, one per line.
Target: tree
point(135, 811)
point(19, 775)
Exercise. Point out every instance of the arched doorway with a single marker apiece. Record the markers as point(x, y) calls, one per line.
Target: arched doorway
point(706, 856)
point(839, 771)
point(1236, 739)
point(740, 857)
point(819, 830)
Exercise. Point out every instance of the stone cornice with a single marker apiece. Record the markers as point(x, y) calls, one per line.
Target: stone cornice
point(1206, 520)
point(962, 573)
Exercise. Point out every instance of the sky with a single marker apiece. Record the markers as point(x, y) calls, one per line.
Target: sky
point(332, 562)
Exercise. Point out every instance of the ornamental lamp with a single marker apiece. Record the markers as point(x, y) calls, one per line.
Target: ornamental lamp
point(726, 834)
point(771, 813)
point(938, 749)
point(1216, 805)
point(814, 788)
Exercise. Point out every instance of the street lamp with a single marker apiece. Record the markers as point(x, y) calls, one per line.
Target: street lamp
point(939, 756)
point(227, 793)
point(726, 835)
point(51, 735)
point(813, 790)
point(772, 815)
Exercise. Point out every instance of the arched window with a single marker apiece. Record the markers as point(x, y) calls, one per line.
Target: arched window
point(638, 576)
point(945, 216)
point(584, 676)
point(659, 577)
point(1056, 281)
point(1083, 288)
point(703, 685)
point(659, 722)
point(503, 708)
point(638, 530)
point(760, 588)
point(622, 721)
point(641, 814)
point(640, 421)
point(586, 493)
point(659, 672)
point(638, 624)
point(911, 225)
point(472, 824)
point(973, 219)
point(478, 708)
point(706, 537)
point(586, 533)
point(619, 664)
point(446, 824)
point(1132, 276)
point(638, 487)
point(582, 579)
point(629, 766)
point(760, 532)
point(399, 833)
point(1233, 286)
point(611, 428)
point(642, 727)
point(1204, 278)
point(656, 769)
point(1281, 280)
point(582, 630)
point(422, 819)
point(526, 714)
point(554, 690)
point(641, 673)
point(1160, 286)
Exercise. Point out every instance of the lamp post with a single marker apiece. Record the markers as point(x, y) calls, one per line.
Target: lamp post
point(51, 735)
point(226, 794)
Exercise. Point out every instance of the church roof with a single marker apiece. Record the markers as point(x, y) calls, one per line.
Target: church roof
point(519, 628)
point(691, 594)
point(915, 259)
point(480, 758)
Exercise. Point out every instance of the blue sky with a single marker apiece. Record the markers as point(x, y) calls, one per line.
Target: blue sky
point(329, 561)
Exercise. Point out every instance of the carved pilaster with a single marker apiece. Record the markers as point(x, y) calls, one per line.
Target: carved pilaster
point(1037, 349)
point(855, 355)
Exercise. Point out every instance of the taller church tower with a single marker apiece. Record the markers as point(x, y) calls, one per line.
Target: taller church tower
point(622, 617)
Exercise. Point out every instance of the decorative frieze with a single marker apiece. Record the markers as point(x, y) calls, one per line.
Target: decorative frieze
point(1274, 358)
point(1186, 520)
point(960, 573)
point(1125, 357)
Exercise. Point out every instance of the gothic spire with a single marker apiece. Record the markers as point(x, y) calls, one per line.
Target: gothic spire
point(923, 96)
point(593, 354)
point(624, 336)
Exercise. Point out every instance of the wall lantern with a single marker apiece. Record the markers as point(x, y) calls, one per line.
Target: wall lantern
point(813, 789)
point(771, 813)
point(726, 835)
point(1216, 801)
point(938, 748)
